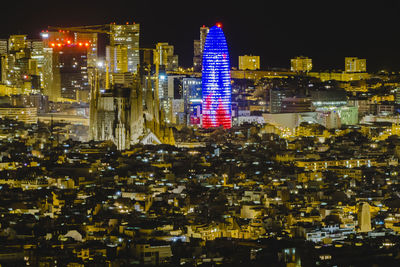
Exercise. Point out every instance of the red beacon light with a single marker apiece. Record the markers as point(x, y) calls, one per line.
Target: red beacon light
point(219, 24)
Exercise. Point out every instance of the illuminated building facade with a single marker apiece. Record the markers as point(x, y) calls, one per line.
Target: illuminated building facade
point(3, 46)
point(198, 46)
point(354, 64)
point(192, 96)
point(68, 68)
point(364, 217)
point(73, 71)
point(166, 57)
point(117, 58)
point(17, 42)
point(128, 36)
point(67, 59)
point(216, 81)
point(276, 97)
point(301, 64)
point(249, 62)
point(27, 115)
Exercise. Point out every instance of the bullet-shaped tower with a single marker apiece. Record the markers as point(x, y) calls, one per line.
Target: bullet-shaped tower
point(216, 78)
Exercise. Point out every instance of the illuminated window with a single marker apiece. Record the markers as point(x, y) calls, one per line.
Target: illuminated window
point(216, 80)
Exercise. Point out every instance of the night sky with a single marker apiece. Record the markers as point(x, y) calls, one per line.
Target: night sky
point(326, 31)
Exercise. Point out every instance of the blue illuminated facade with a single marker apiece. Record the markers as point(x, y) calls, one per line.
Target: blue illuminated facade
point(216, 81)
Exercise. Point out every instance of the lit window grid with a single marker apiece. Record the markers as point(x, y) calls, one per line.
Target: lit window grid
point(216, 81)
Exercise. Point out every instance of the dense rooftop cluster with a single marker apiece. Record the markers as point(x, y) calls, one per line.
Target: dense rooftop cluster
point(231, 196)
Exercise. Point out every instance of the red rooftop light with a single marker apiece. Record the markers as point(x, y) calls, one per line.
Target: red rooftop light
point(219, 24)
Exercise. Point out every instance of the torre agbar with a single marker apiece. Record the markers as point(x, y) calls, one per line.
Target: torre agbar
point(216, 78)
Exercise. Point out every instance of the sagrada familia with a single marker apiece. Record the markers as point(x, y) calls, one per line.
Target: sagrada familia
point(128, 112)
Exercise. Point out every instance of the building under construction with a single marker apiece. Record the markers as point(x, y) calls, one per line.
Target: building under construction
point(124, 98)
point(128, 113)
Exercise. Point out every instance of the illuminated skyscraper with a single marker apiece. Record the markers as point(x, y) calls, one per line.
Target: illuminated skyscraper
point(166, 57)
point(67, 63)
point(117, 58)
point(17, 42)
point(198, 46)
point(127, 35)
point(73, 71)
point(3, 46)
point(216, 81)
point(92, 40)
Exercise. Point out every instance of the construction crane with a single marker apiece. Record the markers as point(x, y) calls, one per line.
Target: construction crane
point(87, 29)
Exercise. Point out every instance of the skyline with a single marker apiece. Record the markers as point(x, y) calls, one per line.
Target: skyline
point(113, 153)
point(273, 31)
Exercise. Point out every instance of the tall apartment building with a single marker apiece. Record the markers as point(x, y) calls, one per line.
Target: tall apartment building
point(354, 64)
point(301, 64)
point(249, 62)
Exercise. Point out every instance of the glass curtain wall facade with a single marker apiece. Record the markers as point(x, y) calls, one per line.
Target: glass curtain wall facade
point(216, 81)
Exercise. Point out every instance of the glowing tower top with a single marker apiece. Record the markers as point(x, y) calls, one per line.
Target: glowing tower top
point(216, 78)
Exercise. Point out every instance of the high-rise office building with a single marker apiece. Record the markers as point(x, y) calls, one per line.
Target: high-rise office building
point(216, 81)
point(192, 96)
point(92, 40)
point(196, 55)
point(36, 60)
point(3, 46)
point(68, 59)
point(89, 40)
point(198, 46)
point(128, 36)
point(276, 97)
point(301, 64)
point(117, 58)
point(354, 64)
point(15, 64)
point(53, 92)
point(17, 42)
point(166, 57)
point(70, 64)
point(249, 62)
point(203, 36)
